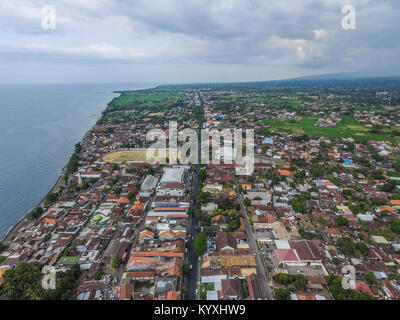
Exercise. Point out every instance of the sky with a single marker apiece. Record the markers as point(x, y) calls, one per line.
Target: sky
point(181, 41)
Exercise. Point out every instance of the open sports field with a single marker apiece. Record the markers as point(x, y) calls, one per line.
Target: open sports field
point(348, 127)
point(135, 155)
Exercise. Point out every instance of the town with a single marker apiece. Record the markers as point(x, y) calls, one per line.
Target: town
point(324, 194)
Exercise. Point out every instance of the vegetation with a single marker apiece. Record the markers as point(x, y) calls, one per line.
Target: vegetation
point(50, 198)
point(65, 285)
point(116, 263)
point(25, 282)
point(73, 163)
point(203, 291)
point(185, 268)
point(296, 282)
point(395, 226)
point(245, 288)
point(348, 127)
point(36, 213)
point(183, 293)
point(339, 293)
point(98, 275)
point(341, 221)
point(282, 294)
point(347, 246)
point(370, 277)
point(200, 244)
point(202, 175)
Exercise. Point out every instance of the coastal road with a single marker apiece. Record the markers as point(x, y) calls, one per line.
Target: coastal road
point(261, 276)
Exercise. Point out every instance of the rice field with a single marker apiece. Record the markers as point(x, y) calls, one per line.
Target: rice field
point(348, 127)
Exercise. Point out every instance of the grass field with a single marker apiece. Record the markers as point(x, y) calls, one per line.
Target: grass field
point(150, 98)
point(348, 127)
point(139, 156)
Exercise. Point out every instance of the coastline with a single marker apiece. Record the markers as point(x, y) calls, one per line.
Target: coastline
point(23, 222)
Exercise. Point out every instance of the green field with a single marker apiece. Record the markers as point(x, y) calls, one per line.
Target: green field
point(348, 127)
point(150, 98)
point(273, 100)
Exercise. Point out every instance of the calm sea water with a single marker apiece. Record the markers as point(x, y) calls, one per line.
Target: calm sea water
point(39, 126)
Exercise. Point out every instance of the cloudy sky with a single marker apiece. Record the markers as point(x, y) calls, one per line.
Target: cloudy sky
point(174, 41)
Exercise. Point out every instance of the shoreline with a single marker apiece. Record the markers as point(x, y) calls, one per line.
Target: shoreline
point(10, 234)
point(24, 221)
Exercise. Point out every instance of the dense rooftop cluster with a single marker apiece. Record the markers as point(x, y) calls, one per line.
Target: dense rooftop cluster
point(324, 194)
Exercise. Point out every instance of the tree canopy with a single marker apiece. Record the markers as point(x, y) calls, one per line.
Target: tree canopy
point(200, 244)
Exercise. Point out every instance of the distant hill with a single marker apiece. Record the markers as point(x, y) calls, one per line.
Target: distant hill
point(326, 80)
point(347, 76)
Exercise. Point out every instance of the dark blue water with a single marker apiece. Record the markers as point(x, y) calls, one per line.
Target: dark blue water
point(39, 126)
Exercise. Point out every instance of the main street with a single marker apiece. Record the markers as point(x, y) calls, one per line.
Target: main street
point(260, 266)
point(194, 273)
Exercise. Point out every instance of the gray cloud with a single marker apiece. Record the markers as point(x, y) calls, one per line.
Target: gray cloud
point(203, 40)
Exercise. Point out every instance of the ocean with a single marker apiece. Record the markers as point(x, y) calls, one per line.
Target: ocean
point(39, 126)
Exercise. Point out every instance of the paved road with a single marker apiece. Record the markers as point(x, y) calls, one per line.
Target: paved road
point(192, 258)
point(194, 273)
point(260, 266)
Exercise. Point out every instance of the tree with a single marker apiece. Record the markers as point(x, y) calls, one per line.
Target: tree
point(341, 221)
point(245, 288)
point(185, 268)
point(50, 198)
point(198, 213)
point(203, 197)
point(282, 294)
point(347, 246)
point(370, 277)
point(300, 282)
point(65, 285)
point(339, 293)
point(98, 275)
point(183, 292)
point(117, 190)
point(200, 244)
point(116, 263)
point(73, 163)
point(2, 246)
point(36, 213)
point(395, 226)
point(233, 224)
point(23, 281)
point(202, 175)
